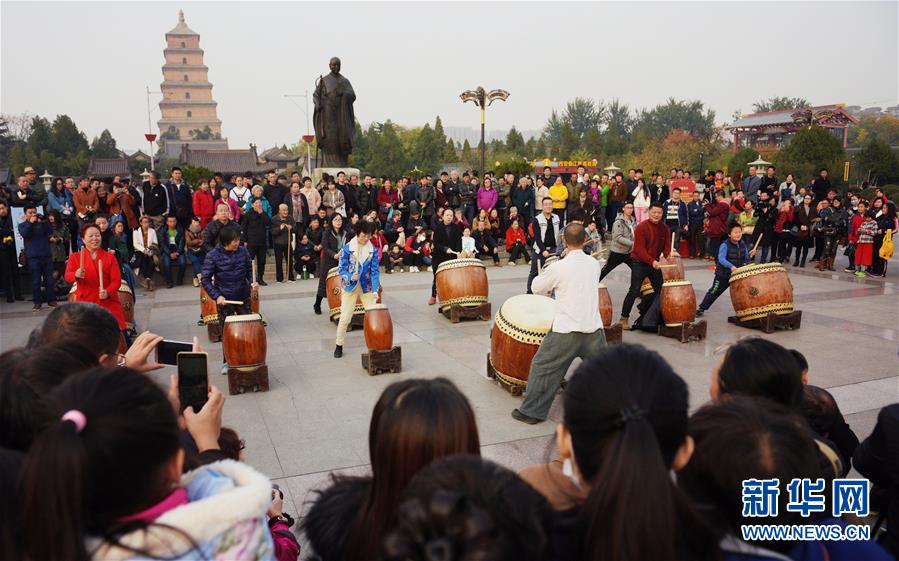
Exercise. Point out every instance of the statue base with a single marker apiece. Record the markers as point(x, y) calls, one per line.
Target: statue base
point(317, 173)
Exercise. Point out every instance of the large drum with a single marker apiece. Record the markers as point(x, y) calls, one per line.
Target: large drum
point(208, 310)
point(254, 300)
point(126, 298)
point(756, 290)
point(673, 268)
point(461, 282)
point(605, 305)
point(678, 303)
point(378, 328)
point(550, 260)
point(518, 329)
point(334, 288)
point(243, 341)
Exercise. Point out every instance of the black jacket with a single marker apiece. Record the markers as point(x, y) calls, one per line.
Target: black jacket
point(156, 199)
point(877, 458)
point(331, 248)
point(288, 200)
point(212, 231)
point(274, 194)
point(254, 227)
point(446, 238)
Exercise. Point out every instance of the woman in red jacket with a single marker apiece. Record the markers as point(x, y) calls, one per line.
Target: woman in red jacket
point(782, 227)
point(387, 198)
point(516, 243)
point(202, 203)
point(97, 273)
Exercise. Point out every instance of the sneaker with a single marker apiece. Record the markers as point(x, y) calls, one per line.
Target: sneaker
point(52, 303)
point(413, 269)
point(338, 351)
point(623, 322)
point(36, 308)
point(225, 369)
point(699, 312)
point(849, 270)
point(519, 416)
point(861, 274)
point(262, 283)
point(511, 263)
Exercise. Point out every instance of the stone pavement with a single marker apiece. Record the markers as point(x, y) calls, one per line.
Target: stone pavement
point(315, 419)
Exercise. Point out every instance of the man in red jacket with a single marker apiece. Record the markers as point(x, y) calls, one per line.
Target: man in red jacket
point(652, 238)
point(716, 230)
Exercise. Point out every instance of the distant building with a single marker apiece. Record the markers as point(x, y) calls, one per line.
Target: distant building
point(189, 114)
point(226, 162)
point(108, 167)
point(281, 158)
point(775, 128)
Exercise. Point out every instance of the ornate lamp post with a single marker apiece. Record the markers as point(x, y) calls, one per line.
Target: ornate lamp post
point(308, 138)
point(483, 99)
point(46, 179)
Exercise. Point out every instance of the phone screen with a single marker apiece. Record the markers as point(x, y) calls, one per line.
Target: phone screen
point(167, 351)
point(193, 383)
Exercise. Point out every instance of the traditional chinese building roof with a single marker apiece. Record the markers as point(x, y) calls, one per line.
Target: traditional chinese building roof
point(225, 161)
point(108, 167)
point(181, 28)
point(278, 155)
point(832, 116)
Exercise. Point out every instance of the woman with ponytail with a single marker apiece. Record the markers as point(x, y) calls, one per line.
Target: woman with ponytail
point(103, 480)
point(622, 438)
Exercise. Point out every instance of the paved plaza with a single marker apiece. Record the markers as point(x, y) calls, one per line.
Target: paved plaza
point(315, 418)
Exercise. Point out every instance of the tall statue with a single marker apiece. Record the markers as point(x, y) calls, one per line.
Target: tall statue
point(333, 118)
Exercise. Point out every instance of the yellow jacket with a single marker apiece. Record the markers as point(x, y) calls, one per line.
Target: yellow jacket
point(559, 194)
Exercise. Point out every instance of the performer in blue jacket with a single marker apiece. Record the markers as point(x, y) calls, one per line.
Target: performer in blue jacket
point(358, 269)
point(732, 254)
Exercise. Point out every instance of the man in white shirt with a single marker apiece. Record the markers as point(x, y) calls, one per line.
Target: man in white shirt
point(577, 326)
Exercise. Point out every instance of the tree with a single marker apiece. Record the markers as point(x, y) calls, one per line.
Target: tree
point(66, 140)
point(467, 155)
point(540, 149)
point(19, 125)
point(689, 116)
point(779, 104)
point(387, 154)
point(619, 123)
point(104, 146)
point(809, 150)
point(515, 141)
point(427, 151)
point(439, 135)
point(361, 149)
point(552, 131)
point(568, 142)
point(583, 114)
point(449, 152)
point(194, 174)
point(880, 127)
point(592, 143)
point(877, 162)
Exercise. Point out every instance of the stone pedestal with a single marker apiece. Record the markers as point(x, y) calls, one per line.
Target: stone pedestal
point(317, 173)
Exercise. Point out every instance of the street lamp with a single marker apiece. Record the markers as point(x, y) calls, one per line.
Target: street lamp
point(150, 136)
point(483, 99)
point(308, 137)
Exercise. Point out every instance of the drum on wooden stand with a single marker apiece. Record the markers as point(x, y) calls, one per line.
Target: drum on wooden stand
point(759, 289)
point(678, 304)
point(461, 282)
point(209, 316)
point(126, 298)
point(378, 328)
point(605, 305)
point(672, 268)
point(518, 330)
point(243, 341)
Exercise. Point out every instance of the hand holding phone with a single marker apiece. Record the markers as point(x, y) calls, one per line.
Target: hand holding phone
point(193, 380)
point(167, 351)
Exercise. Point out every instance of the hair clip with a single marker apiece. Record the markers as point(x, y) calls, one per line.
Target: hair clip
point(76, 417)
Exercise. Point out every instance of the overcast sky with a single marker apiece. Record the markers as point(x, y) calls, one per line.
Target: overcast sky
point(409, 61)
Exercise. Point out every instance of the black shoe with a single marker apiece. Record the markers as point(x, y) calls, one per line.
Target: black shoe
point(338, 351)
point(262, 283)
point(19, 297)
point(36, 308)
point(699, 312)
point(796, 263)
point(52, 303)
point(317, 309)
point(519, 416)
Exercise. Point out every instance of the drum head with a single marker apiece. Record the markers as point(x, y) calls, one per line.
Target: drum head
point(243, 317)
point(458, 262)
point(125, 288)
point(677, 283)
point(531, 312)
point(332, 272)
point(377, 306)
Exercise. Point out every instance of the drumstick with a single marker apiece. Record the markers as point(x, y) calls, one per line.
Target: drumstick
point(82, 259)
point(757, 241)
point(100, 269)
point(255, 278)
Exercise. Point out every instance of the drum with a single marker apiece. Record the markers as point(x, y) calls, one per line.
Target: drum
point(334, 288)
point(550, 260)
point(254, 300)
point(756, 290)
point(209, 313)
point(461, 282)
point(378, 328)
point(605, 305)
point(243, 340)
point(678, 303)
point(646, 288)
point(126, 298)
point(673, 268)
point(518, 329)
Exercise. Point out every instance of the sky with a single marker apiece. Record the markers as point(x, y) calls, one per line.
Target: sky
point(409, 61)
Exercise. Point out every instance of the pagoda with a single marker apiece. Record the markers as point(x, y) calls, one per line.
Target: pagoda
point(188, 111)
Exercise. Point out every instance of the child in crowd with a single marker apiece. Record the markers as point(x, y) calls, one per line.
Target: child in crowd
point(305, 261)
point(395, 258)
point(864, 247)
point(468, 248)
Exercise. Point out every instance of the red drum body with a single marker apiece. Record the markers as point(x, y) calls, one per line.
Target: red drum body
point(646, 288)
point(126, 298)
point(757, 290)
point(518, 330)
point(254, 300)
point(461, 282)
point(605, 305)
point(334, 289)
point(673, 268)
point(243, 340)
point(678, 303)
point(378, 328)
point(208, 311)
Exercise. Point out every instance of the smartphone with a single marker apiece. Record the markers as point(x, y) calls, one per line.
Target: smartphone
point(193, 380)
point(167, 351)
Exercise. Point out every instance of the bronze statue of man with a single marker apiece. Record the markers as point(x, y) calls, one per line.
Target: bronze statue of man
point(333, 118)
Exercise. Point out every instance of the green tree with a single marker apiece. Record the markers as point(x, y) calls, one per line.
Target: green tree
point(568, 142)
point(449, 152)
point(583, 115)
point(515, 141)
point(427, 151)
point(592, 143)
point(552, 131)
point(881, 127)
point(387, 154)
point(740, 161)
point(439, 135)
point(540, 149)
point(877, 163)
point(104, 146)
point(66, 140)
point(619, 123)
point(809, 150)
point(361, 149)
point(690, 116)
point(194, 174)
point(779, 104)
point(467, 156)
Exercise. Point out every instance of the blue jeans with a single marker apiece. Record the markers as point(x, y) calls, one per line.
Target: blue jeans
point(41, 266)
point(167, 267)
point(196, 261)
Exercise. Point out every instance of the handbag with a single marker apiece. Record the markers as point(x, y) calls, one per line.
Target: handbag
point(794, 231)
